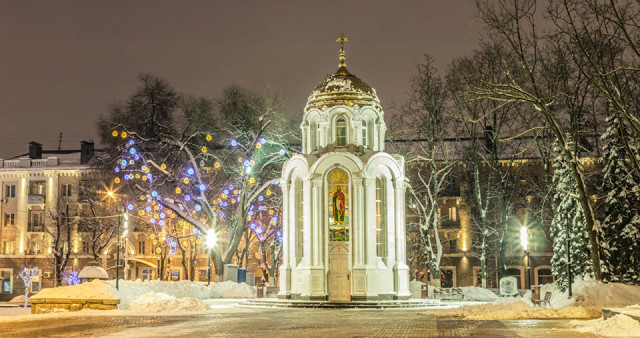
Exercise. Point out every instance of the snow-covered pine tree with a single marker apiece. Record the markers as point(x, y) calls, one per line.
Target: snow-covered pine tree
point(568, 221)
point(619, 233)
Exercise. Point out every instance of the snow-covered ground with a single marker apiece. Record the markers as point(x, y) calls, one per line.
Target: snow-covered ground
point(616, 326)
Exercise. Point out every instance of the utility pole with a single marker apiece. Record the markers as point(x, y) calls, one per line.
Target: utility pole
point(569, 261)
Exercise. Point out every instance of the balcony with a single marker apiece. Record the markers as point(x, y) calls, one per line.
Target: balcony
point(35, 199)
point(449, 224)
point(35, 227)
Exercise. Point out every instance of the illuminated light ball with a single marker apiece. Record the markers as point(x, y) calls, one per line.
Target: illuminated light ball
point(131, 142)
point(149, 199)
point(122, 166)
point(114, 133)
point(248, 170)
point(235, 192)
point(250, 213)
point(152, 236)
point(137, 175)
point(252, 225)
point(126, 177)
point(259, 230)
point(214, 202)
point(238, 198)
point(274, 220)
point(154, 193)
point(234, 143)
point(152, 220)
point(263, 140)
point(230, 186)
point(246, 163)
point(280, 239)
point(260, 208)
point(131, 162)
point(271, 212)
point(132, 151)
point(185, 180)
point(248, 218)
point(187, 198)
point(174, 244)
point(203, 149)
point(209, 138)
point(158, 250)
point(163, 166)
point(219, 200)
point(140, 212)
point(130, 206)
point(136, 156)
point(260, 198)
point(117, 170)
point(240, 159)
point(202, 187)
point(223, 195)
point(147, 209)
point(258, 146)
point(158, 198)
point(124, 134)
point(178, 190)
point(146, 170)
point(161, 222)
point(253, 162)
point(181, 207)
point(163, 215)
point(233, 201)
point(283, 152)
point(252, 180)
point(155, 242)
point(221, 214)
point(225, 191)
point(169, 239)
point(195, 231)
point(116, 180)
point(216, 165)
point(123, 162)
point(268, 192)
point(190, 171)
point(198, 207)
point(149, 176)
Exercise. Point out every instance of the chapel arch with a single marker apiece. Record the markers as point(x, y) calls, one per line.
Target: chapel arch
point(339, 205)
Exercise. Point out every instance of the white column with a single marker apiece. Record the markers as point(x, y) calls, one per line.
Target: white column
point(401, 236)
point(317, 220)
point(307, 224)
point(286, 225)
point(370, 220)
point(358, 230)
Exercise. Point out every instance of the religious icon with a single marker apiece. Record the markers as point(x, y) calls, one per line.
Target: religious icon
point(338, 206)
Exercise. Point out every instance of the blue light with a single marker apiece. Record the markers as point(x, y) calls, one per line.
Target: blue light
point(130, 206)
point(149, 199)
point(181, 207)
point(169, 239)
point(260, 208)
point(252, 206)
point(198, 207)
point(263, 140)
point(195, 231)
point(259, 230)
point(274, 219)
point(126, 177)
point(190, 171)
point(250, 213)
point(174, 244)
point(246, 163)
point(261, 198)
point(226, 192)
point(234, 143)
point(252, 225)
point(202, 187)
point(123, 162)
point(158, 198)
point(238, 199)
point(147, 209)
point(222, 214)
point(117, 169)
point(163, 215)
point(187, 198)
point(149, 176)
point(282, 152)
point(132, 151)
point(161, 222)
point(172, 251)
point(131, 142)
point(154, 193)
point(152, 220)
point(137, 157)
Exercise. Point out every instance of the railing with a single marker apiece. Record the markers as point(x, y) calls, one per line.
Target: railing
point(12, 163)
point(35, 228)
point(35, 199)
point(39, 163)
point(447, 223)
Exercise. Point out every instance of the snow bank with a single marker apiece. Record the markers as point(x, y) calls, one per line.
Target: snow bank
point(616, 326)
point(512, 309)
point(588, 292)
point(96, 289)
point(231, 289)
point(476, 293)
point(160, 302)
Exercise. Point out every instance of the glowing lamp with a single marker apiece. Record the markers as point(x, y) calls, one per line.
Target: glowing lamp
point(211, 238)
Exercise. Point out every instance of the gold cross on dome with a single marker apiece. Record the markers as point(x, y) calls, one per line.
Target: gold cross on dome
point(342, 40)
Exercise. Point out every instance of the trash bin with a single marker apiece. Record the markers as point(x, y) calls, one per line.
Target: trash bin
point(535, 293)
point(260, 289)
point(425, 290)
point(242, 275)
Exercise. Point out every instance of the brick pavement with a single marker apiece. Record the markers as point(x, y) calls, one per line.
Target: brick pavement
point(240, 322)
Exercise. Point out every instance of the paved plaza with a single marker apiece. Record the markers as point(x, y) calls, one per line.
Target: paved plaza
point(269, 322)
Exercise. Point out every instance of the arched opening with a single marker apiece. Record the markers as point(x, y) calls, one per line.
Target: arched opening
point(381, 218)
point(339, 217)
point(341, 132)
point(365, 142)
point(299, 219)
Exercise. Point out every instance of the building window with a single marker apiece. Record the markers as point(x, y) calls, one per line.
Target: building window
point(36, 284)
point(299, 203)
point(11, 191)
point(453, 214)
point(9, 219)
point(381, 224)
point(85, 247)
point(364, 133)
point(8, 247)
point(453, 245)
point(141, 248)
point(341, 132)
point(36, 221)
point(66, 190)
point(6, 277)
point(35, 249)
point(36, 188)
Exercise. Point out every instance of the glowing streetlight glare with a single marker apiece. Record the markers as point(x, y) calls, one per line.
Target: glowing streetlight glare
point(110, 193)
point(524, 238)
point(211, 239)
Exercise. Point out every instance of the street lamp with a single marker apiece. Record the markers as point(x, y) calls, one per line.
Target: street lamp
point(210, 241)
point(524, 241)
point(125, 225)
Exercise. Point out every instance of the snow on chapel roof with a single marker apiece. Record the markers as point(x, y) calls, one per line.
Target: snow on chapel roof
point(342, 88)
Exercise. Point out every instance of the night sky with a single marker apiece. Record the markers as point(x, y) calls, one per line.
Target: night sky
point(63, 63)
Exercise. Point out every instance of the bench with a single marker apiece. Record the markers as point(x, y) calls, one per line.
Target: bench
point(448, 293)
point(547, 298)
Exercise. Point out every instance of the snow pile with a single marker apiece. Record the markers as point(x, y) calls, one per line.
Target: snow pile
point(160, 302)
point(18, 300)
point(96, 289)
point(512, 309)
point(476, 293)
point(231, 289)
point(616, 326)
point(589, 292)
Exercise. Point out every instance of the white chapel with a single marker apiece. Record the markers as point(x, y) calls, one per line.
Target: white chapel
point(343, 200)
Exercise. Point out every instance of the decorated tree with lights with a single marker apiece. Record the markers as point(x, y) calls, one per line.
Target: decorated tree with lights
point(568, 224)
point(178, 157)
point(27, 275)
point(619, 233)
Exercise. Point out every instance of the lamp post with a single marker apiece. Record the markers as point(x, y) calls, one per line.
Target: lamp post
point(210, 242)
point(125, 225)
point(524, 241)
point(569, 261)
